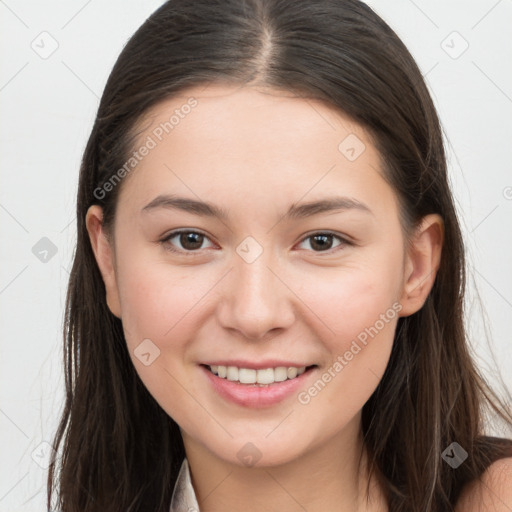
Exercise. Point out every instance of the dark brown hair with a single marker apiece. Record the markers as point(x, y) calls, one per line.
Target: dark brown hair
point(120, 450)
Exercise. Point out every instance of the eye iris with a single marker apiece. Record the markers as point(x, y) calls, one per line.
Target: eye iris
point(323, 244)
point(191, 240)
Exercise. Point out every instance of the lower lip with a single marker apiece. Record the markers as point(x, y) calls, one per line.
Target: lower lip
point(248, 395)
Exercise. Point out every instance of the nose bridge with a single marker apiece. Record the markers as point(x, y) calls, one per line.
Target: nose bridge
point(257, 300)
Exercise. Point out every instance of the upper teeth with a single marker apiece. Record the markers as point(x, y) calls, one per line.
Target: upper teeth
point(251, 376)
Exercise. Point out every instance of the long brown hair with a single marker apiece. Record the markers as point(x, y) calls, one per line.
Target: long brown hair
point(120, 450)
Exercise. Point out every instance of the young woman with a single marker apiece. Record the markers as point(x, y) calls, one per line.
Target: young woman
point(265, 310)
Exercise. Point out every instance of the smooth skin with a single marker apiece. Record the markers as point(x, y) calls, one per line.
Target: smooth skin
point(255, 152)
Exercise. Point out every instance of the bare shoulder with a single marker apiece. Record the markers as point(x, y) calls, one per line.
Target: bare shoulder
point(490, 493)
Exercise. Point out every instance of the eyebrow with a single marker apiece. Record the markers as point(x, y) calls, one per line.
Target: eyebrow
point(296, 211)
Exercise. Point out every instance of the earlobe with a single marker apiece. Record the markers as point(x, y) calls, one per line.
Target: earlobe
point(104, 254)
point(422, 263)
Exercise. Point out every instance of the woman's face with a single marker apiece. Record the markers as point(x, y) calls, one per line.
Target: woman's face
point(264, 279)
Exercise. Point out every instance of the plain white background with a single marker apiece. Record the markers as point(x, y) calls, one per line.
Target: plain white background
point(48, 105)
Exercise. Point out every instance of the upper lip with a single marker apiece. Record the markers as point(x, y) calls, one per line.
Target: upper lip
point(269, 363)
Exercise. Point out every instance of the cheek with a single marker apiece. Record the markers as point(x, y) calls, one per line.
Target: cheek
point(359, 309)
point(363, 318)
point(351, 299)
point(156, 297)
point(159, 305)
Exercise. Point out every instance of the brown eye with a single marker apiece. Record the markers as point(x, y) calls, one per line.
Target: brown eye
point(189, 241)
point(323, 242)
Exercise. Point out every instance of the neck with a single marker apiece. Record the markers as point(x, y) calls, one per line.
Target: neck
point(331, 477)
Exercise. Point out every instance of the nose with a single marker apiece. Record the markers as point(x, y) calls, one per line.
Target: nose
point(256, 300)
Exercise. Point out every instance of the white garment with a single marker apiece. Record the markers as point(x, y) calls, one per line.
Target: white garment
point(183, 495)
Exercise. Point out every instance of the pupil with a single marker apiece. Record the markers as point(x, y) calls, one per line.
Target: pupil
point(191, 240)
point(323, 245)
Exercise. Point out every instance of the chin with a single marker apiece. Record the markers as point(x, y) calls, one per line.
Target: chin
point(259, 452)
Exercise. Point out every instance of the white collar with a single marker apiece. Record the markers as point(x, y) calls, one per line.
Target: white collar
point(183, 496)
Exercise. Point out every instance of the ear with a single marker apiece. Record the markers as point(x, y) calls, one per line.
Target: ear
point(104, 254)
point(422, 263)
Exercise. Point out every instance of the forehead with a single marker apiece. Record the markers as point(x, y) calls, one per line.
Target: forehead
point(219, 139)
point(254, 114)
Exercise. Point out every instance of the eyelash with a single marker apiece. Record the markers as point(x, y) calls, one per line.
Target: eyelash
point(173, 234)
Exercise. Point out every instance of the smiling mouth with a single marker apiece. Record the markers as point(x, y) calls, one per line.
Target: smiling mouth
point(260, 377)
